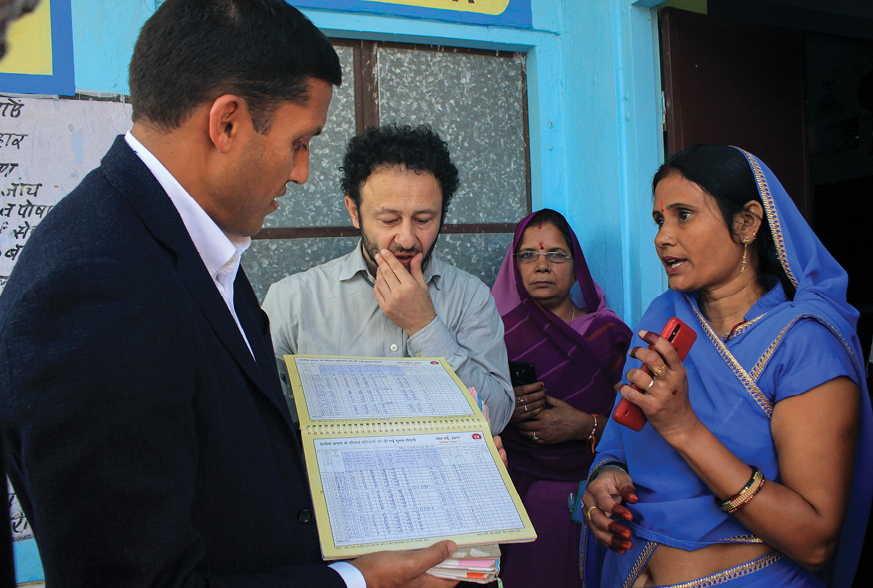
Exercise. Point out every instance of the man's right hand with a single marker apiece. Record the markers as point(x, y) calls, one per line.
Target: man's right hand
point(405, 569)
point(403, 294)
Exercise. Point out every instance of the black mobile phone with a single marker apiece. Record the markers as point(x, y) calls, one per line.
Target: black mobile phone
point(522, 372)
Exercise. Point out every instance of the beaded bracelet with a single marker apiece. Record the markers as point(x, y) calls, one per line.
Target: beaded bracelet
point(744, 496)
point(591, 439)
point(609, 464)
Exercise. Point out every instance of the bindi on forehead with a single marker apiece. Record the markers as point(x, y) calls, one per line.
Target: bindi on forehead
point(662, 205)
point(541, 245)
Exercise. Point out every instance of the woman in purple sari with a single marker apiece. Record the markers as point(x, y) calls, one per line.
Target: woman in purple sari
point(556, 318)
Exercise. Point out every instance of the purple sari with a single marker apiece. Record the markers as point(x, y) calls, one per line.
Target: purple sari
point(579, 364)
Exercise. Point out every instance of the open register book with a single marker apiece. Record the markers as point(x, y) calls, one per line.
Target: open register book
point(399, 456)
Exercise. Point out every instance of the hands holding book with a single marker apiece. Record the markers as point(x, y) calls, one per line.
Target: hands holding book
point(402, 569)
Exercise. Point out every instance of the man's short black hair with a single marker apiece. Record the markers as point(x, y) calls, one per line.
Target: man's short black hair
point(192, 51)
point(419, 149)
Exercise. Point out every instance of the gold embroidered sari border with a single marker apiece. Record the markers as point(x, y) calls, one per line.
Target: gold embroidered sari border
point(768, 353)
point(741, 539)
point(744, 378)
point(746, 325)
point(641, 562)
point(772, 215)
point(756, 565)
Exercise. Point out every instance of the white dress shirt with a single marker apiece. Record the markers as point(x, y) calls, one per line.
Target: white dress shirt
point(220, 252)
point(331, 310)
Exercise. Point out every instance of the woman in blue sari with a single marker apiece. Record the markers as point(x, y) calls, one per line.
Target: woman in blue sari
point(754, 466)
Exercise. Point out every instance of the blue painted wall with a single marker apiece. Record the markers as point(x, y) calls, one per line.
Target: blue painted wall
point(594, 103)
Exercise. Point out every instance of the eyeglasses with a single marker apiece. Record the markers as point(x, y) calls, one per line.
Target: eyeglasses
point(551, 256)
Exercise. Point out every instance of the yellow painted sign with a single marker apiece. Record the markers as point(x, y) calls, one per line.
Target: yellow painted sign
point(29, 42)
point(490, 7)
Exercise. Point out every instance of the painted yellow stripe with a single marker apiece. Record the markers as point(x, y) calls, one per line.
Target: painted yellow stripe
point(29, 43)
point(491, 7)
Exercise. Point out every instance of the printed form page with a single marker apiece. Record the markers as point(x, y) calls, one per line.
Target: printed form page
point(399, 457)
point(339, 388)
point(411, 487)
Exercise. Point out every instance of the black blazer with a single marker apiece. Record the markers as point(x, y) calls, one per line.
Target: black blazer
point(146, 444)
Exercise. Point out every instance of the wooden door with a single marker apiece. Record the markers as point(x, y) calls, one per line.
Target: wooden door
point(738, 84)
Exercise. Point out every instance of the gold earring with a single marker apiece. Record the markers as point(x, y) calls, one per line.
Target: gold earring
point(745, 248)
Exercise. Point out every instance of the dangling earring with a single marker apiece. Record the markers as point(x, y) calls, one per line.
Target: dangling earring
point(745, 248)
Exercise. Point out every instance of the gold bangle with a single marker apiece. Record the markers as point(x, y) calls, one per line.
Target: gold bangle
point(744, 496)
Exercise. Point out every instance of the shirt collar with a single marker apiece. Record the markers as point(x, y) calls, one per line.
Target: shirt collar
point(355, 264)
point(219, 252)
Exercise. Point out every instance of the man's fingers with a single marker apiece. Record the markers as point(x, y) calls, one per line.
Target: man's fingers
point(404, 568)
point(391, 261)
point(388, 267)
point(435, 554)
point(415, 270)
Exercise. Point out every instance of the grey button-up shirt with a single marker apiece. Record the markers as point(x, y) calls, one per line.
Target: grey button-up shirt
point(331, 310)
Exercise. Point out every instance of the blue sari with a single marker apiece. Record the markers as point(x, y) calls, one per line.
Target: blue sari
point(733, 387)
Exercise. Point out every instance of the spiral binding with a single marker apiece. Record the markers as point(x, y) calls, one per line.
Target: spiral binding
point(391, 427)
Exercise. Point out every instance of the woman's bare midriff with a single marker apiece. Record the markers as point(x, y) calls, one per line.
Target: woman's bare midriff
point(669, 565)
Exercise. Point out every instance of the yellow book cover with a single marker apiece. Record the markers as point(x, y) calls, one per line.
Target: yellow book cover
point(399, 456)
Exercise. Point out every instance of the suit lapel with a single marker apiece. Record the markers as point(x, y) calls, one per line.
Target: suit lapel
point(257, 328)
point(126, 171)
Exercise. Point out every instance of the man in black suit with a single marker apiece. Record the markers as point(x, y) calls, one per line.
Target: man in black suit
point(146, 432)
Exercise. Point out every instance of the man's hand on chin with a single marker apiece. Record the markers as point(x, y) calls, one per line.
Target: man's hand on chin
point(402, 295)
point(405, 569)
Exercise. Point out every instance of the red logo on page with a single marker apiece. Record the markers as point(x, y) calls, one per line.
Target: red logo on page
point(477, 436)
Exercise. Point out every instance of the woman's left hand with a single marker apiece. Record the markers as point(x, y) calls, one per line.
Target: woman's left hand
point(664, 396)
point(560, 422)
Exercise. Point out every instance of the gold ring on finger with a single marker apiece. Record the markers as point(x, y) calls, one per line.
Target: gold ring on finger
point(588, 512)
point(659, 371)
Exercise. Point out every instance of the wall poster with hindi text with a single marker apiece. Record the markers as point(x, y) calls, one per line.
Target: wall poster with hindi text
point(47, 146)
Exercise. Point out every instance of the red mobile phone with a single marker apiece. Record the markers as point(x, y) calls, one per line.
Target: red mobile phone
point(682, 337)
